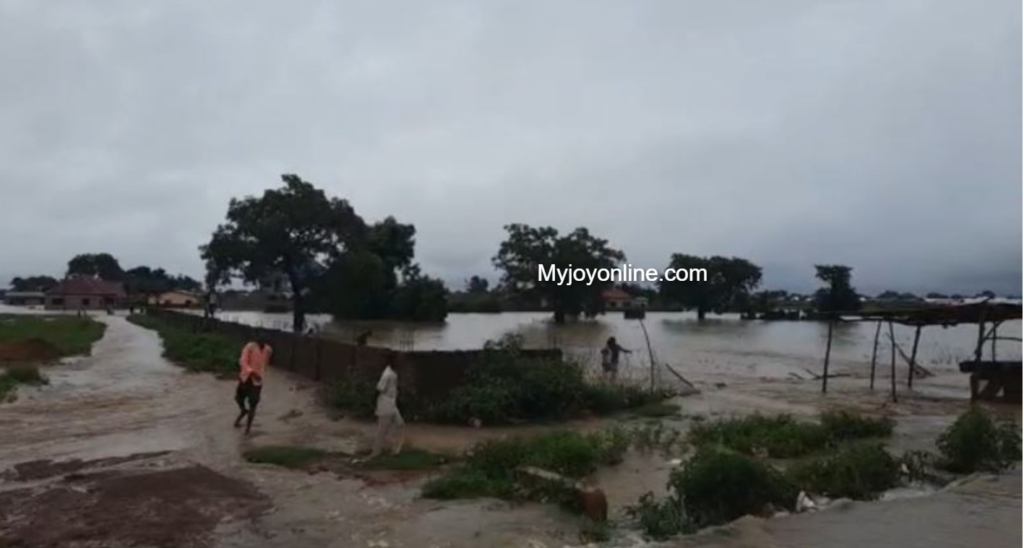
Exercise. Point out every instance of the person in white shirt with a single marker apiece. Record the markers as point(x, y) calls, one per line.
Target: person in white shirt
point(389, 419)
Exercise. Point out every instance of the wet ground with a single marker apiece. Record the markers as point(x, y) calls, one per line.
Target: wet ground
point(126, 400)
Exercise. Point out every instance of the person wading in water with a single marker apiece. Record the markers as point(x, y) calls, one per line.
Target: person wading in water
point(253, 365)
point(610, 357)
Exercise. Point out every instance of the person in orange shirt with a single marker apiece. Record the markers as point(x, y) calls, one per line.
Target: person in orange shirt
point(253, 364)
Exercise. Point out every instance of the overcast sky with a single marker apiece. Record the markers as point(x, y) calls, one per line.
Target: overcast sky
point(884, 134)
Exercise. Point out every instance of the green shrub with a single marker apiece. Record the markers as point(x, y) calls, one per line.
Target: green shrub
point(860, 472)
point(14, 376)
point(507, 385)
point(717, 486)
point(782, 436)
point(69, 335)
point(468, 483)
point(595, 531)
point(490, 469)
point(356, 396)
point(660, 520)
point(977, 442)
point(844, 425)
point(779, 436)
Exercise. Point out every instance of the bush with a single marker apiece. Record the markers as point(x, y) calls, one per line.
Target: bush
point(844, 425)
point(490, 469)
point(14, 376)
point(859, 472)
point(660, 520)
point(716, 487)
point(779, 436)
point(782, 436)
point(977, 442)
point(507, 385)
point(357, 396)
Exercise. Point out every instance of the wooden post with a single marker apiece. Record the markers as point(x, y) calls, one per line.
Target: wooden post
point(995, 330)
point(874, 352)
point(828, 352)
point(913, 357)
point(892, 349)
point(650, 353)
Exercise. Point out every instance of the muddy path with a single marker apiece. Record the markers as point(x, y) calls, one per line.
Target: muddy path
point(125, 416)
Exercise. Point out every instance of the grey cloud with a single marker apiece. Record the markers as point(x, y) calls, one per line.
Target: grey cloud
point(882, 134)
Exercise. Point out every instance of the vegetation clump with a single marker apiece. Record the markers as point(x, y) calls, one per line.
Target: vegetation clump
point(15, 376)
point(978, 442)
point(197, 352)
point(858, 471)
point(491, 468)
point(783, 436)
point(508, 385)
point(286, 456)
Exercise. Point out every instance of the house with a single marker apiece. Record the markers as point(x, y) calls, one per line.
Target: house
point(175, 299)
point(85, 293)
point(24, 298)
point(617, 299)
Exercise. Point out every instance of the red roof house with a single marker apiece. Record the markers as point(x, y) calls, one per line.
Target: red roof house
point(85, 293)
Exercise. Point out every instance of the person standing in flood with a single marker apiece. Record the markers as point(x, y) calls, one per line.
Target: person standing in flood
point(389, 419)
point(610, 356)
point(253, 364)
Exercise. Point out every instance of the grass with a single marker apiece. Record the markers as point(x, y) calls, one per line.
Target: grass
point(491, 468)
point(198, 352)
point(783, 436)
point(71, 336)
point(15, 376)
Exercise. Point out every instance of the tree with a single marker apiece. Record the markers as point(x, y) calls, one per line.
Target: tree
point(729, 284)
point(987, 294)
point(476, 285)
point(99, 265)
point(888, 295)
point(294, 230)
point(839, 295)
point(935, 295)
point(358, 285)
point(420, 298)
point(33, 283)
point(527, 248)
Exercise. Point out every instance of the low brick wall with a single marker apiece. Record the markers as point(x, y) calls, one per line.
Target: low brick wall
point(424, 375)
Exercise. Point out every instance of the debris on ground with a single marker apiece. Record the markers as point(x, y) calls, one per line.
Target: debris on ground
point(29, 350)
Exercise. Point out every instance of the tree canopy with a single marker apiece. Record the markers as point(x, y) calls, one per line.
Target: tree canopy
point(99, 265)
point(838, 295)
point(477, 285)
point(320, 247)
point(526, 248)
point(146, 281)
point(33, 283)
point(730, 281)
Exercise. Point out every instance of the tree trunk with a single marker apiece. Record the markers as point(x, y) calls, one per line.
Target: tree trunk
point(559, 316)
point(701, 313)
point(298, 304)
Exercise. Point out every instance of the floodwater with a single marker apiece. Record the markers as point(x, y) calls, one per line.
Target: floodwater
point(717, 349)
point(126, 399)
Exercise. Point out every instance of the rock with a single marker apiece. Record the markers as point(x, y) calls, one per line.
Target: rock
point(591, 501)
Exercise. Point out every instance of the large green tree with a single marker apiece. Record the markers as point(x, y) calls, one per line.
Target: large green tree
point(146, 281)
point(838, 295)
point(729, 283)
point(526, 248)
point(294, 230)
point(33, 283)
point(100, 265)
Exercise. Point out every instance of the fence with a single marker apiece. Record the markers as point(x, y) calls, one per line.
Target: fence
point(423, 375)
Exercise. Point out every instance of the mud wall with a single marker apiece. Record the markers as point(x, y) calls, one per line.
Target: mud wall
point(428, 375)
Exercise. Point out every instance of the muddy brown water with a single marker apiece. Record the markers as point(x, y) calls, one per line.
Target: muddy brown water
point(125, 400)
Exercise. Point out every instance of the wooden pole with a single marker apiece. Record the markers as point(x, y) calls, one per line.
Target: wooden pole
point(650, 352)
point(874, 352)
point(913, 357)
point(828, 352)
point(892, 371)
point(995, 329)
